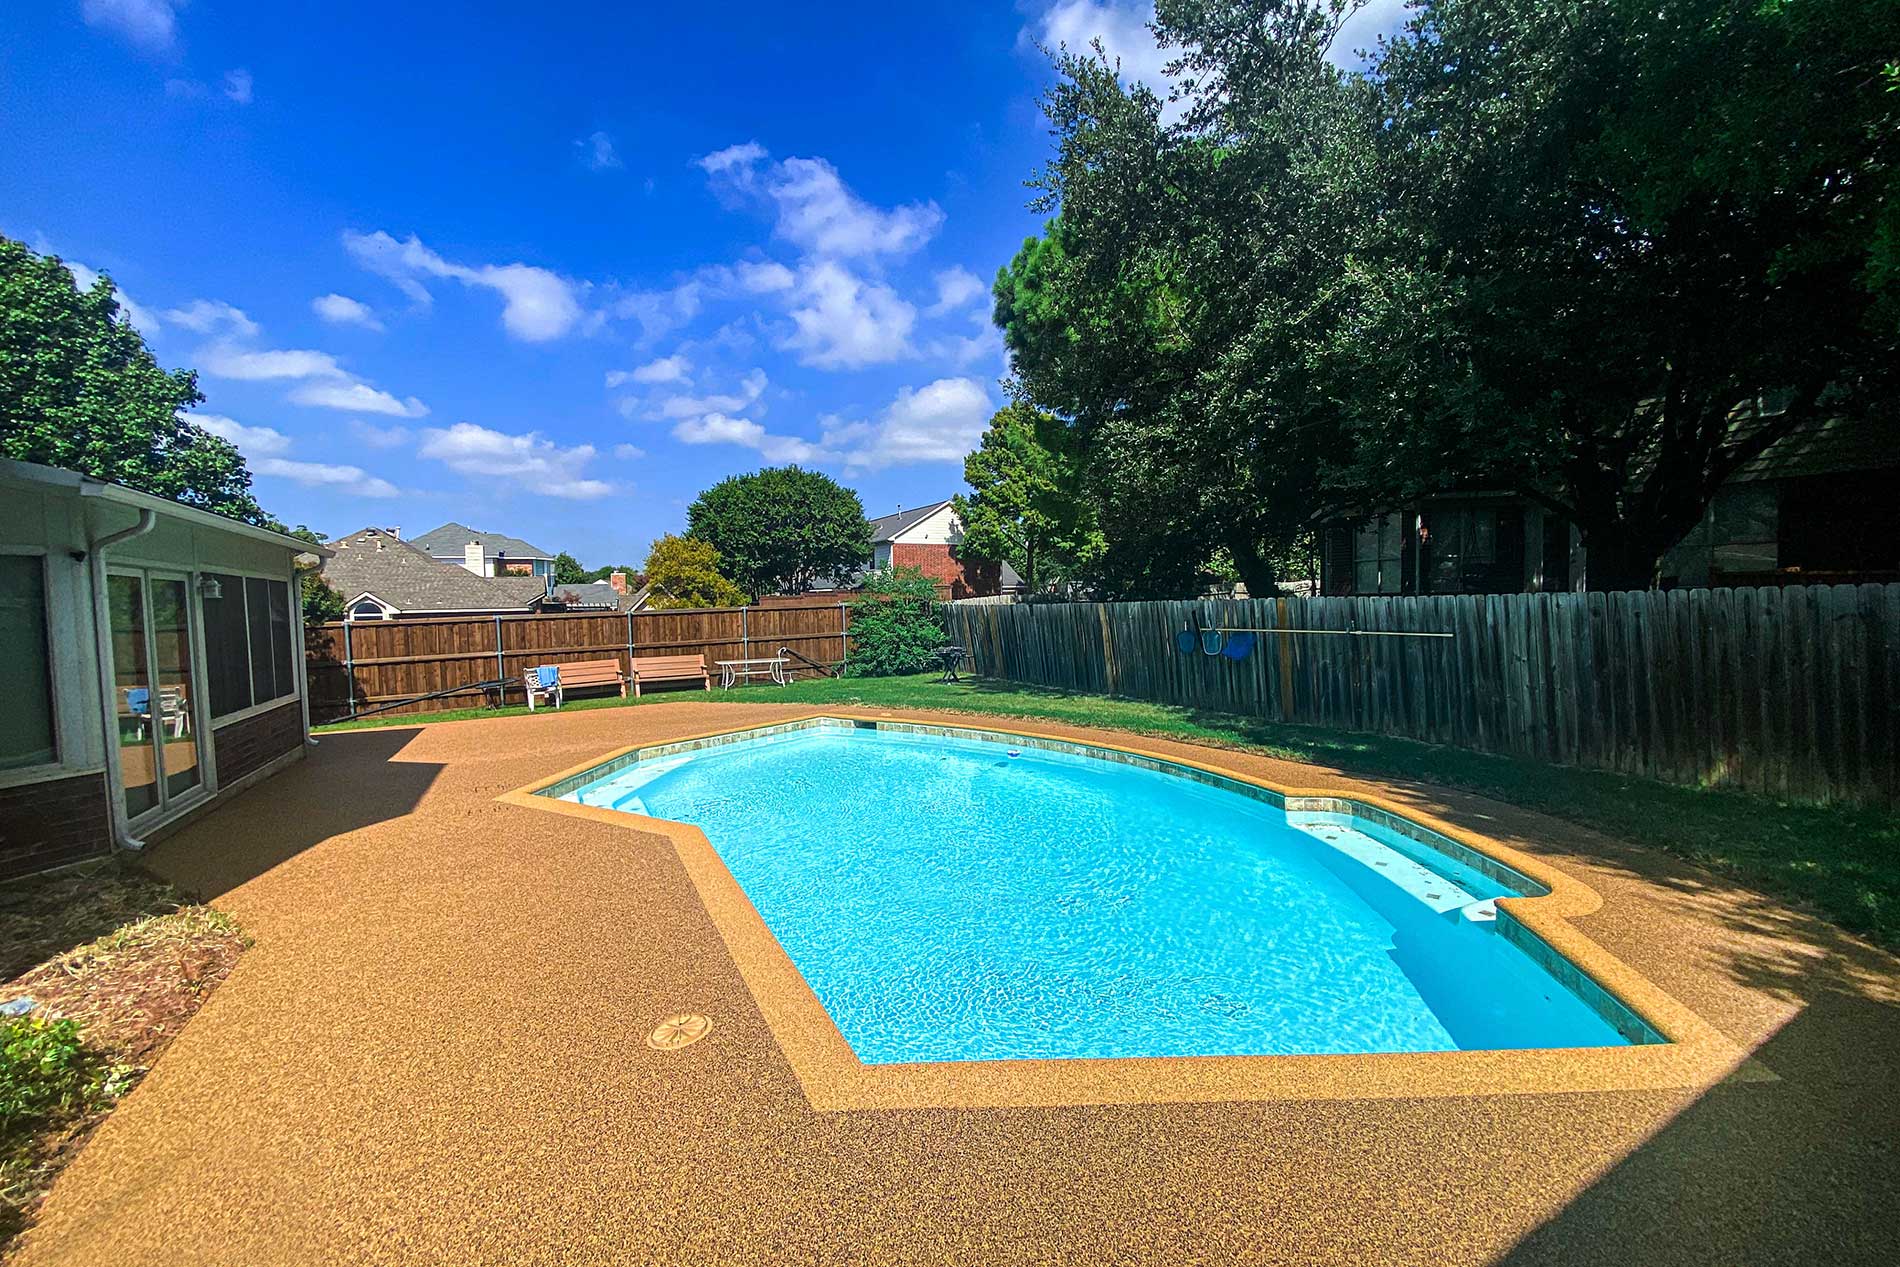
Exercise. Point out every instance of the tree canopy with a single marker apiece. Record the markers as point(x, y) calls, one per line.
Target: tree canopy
point(685, 572)
point(1026, 506)
point(80, 390)
point(1599, 253)
point(781, 529)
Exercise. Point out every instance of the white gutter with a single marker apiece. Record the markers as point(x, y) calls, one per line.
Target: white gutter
point(122, 836)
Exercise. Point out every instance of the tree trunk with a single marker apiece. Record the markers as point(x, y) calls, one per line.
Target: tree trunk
point(1256, 570)
point(1617, 558)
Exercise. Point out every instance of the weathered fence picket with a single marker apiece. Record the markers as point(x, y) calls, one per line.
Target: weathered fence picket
point(1793, 692)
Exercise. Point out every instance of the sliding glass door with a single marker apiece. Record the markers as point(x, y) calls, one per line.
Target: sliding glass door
point(155, 689)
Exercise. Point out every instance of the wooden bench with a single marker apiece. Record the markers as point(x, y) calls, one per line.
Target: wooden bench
point(584, 673)
point(670, 668)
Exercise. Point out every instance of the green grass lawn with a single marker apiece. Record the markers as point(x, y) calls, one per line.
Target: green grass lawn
point(1842, 863)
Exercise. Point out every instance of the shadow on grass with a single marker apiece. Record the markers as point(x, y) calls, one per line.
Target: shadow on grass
point(351, 780)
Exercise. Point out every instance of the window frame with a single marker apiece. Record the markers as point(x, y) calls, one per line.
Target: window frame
point(254, 708)
point(62, 764)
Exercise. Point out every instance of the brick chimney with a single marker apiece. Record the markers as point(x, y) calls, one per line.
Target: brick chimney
point(619, 581)
point(472, 558)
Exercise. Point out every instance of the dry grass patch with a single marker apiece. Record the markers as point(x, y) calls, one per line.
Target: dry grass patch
point(114, 962)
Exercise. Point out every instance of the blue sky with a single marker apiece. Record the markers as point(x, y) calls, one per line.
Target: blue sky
point(552, 269)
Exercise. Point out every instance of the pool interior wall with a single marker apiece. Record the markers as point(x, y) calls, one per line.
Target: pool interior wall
point(958, 894)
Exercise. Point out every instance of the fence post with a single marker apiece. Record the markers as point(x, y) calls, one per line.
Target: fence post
point(844, 640)
point(745, 633)
point(349, 665)
point(629, 641)
point(501, 672)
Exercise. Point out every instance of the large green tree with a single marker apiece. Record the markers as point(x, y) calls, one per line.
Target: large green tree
point(1598, 252)
point(1026, 505)
point(1167, 314)
point(80, 390)
point(1624, 247)
point(685, 572)
point(780, 529)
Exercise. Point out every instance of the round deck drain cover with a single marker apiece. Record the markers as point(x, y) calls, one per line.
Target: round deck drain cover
point(679, 1031)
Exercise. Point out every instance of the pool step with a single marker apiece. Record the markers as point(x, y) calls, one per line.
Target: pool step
point(1414, 878)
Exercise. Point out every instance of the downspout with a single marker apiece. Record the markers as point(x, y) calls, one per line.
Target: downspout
point(122, 837)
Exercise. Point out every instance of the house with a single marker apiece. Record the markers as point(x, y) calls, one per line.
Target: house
point(1816, 507)
point(383, 577)
point(154, 664)
point(484, 553)
point(927, 538)
point(612, 594)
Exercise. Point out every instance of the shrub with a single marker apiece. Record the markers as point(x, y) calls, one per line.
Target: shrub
point(894, 624)
point(47, 1074)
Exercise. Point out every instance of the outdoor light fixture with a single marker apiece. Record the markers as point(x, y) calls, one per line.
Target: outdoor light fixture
point(208, 587)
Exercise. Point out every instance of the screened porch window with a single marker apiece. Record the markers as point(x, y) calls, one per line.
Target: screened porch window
point(1376, 550)
point(26, 722)
point(248, 647)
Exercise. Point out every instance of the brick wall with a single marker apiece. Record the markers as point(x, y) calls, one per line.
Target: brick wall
point(955, 578)
point(244, 746)
point(46, 825)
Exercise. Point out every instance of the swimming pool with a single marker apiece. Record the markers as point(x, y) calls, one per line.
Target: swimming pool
point(955, 896)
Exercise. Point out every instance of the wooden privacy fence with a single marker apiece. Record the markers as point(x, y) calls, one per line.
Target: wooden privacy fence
point(359, 665)
point(1789, 691)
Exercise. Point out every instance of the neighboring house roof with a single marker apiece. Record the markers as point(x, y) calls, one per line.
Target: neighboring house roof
point(1826, 446)
point(888, 527)
point(601, 595)
point(395, 573)
point(451, 539)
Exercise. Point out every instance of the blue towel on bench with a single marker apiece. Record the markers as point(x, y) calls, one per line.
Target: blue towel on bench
point(549, 674)
point(139, 700)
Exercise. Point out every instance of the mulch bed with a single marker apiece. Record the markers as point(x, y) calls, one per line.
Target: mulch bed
point(126, 956)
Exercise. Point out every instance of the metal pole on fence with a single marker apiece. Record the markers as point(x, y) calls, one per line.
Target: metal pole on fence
point(501, 671)
point(630, 641)
point(745, 633)
point(349, 665)
point(844, 640)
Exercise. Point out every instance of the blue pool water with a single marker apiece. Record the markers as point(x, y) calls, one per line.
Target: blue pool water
point(947, 900)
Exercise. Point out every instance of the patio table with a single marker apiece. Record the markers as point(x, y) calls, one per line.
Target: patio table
point(773, 667)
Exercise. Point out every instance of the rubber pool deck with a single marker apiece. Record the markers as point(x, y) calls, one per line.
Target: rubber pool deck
point(435, 1053)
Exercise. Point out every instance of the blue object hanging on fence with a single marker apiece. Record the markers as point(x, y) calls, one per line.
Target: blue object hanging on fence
point(1210, 641)
point(1185, 642)
point(1239, 646)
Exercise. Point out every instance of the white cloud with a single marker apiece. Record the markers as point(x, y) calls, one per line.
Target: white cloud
point(955, 288)
point(368, 433)
point(264, 448)
point(668, 369)
point(938, 422)
point(226, 360)
point(718, 428)
point(254, 441)
point(629, 452)
point(150, 24)
point(660, 312)
point(597, 151)
point(527, 460)
point(751, 387)
point(341, 310)
point(764, 278)
point(844, 322)
point(353, 479)
point(815, 210)
point(136, 315)
point(537, 305)
point(238, 85)
point(355, 396)
point(208, 316)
